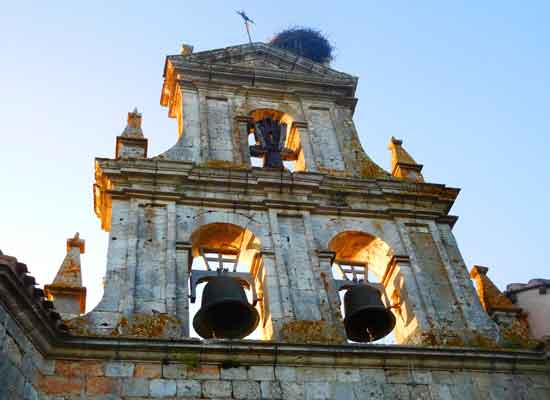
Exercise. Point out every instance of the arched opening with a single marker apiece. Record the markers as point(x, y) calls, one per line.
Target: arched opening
point(292, 154)
point(361, 256)
point(233, 250)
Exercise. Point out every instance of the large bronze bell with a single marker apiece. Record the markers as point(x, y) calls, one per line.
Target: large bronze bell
point(225, 311)
point(367, 319)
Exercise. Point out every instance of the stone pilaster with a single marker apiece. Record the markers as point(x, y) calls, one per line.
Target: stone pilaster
point(301, 128)
point(183, 265)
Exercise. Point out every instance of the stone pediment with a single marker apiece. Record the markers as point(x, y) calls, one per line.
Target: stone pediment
point(261, 57)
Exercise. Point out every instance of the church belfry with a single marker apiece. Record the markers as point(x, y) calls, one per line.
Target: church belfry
point(313, 200)
point(267, 220)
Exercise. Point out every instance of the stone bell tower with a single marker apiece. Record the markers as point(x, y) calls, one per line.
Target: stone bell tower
point(292, 202)
point(268, 214)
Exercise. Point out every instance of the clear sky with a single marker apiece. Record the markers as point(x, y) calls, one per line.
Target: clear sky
point(464, 84)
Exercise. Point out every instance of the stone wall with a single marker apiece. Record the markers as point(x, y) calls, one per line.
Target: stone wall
point(133, 380)
point(21, 363)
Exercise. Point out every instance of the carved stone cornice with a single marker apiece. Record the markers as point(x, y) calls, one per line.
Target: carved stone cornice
point(257, 66)
point(168, 181)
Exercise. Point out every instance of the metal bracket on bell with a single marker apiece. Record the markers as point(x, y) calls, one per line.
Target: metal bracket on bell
point(199, 276)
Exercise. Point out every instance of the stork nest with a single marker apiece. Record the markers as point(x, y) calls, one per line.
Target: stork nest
point(306, 42)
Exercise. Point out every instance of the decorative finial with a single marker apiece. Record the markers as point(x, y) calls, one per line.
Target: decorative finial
point(402, 164)
point(133, 128)
point(66, 290)
point(186, 49)
point(75, 241)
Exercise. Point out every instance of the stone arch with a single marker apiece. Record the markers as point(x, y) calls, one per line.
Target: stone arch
point(226, 237)
point(255, 222)
point(361, 247)
point(386, 230)
point(231, 240)
point(356, 246)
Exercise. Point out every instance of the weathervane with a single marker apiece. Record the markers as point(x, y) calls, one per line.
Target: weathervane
point(247, 22)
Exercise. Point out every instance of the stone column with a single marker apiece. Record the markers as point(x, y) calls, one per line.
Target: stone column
point(274, 260)
point(127, 303)
point(171, 262)
point(322, 275)
point(412, 273)
point(325, 267)
point(183, 265)
point(411, 314)
point(116, 276)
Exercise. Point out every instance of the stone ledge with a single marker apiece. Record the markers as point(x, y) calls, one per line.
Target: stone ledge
point(270, 353)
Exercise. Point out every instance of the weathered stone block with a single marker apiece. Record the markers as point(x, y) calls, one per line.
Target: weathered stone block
point(317, 390)
point(119, 369)
point(422, 392)
point(188, 388)
point(233, 373)
point(162, 387)
point(293, 390)
point(285, 374)
point(204, 372)
point(135, 387)
point(371, 375)
point(79, 368)
point(96, 385)
point(442, 392)
point(148, 370)
point(371, 390)
point(344, 391)
point(261, 373)
point(59, 385)
point(246, 390)
point(271, 390)
point(174, 371)
point(442, 377)
point(398, 376)
point(47, 366)
point(347, 375)
point(12, 350)
point(213, 389)
point(307, 374)
point(421, 376)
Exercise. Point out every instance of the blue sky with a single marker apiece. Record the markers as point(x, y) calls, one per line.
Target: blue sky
point(464, 84)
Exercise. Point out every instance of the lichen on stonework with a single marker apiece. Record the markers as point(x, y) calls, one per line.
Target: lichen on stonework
point(311, 332)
